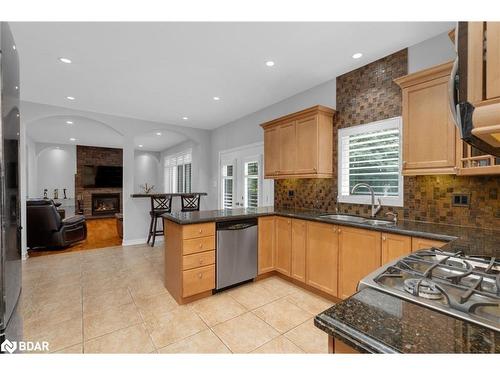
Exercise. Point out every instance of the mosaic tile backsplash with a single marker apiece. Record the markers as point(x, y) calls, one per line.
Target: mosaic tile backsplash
point(369, 94)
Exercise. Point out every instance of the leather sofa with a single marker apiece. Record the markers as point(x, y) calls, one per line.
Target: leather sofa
point(45, 228)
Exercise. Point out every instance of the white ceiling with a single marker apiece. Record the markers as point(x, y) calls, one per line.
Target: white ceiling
point(164, 71)
point(154, 142)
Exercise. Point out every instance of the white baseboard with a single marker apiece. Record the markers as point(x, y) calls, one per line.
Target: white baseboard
point(139, 241)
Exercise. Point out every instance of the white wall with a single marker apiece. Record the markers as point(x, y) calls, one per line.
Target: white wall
point(147, 170)
point(430, 52)
point(55, 169)
point(31, 168)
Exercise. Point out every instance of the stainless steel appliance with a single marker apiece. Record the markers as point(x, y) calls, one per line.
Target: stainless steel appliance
point(475, 113)
point(467, 287)
point(10, 229)
point(236, 252)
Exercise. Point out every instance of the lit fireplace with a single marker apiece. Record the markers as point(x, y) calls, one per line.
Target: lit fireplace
point(104, 204)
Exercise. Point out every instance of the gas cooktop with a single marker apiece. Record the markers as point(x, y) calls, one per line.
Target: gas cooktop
point(467, 287)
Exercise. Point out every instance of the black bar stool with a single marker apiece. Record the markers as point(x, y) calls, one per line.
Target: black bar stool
point(159, 205)
point(190, 202)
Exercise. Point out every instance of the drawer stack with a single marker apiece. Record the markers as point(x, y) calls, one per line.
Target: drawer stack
point(198, 258)
point(189, 260)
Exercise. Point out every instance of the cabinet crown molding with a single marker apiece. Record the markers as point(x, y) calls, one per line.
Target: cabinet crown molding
point(305, 112)
point(429, 74)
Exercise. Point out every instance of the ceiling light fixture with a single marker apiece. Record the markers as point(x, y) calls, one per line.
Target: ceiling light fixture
point(140, 146)
point(269, 63)
point(357, 55)
point(216, 98)
point(72, 139)
point(65, 60)
point(70, 97)
point(158, 133)
point(69, 122)
point(185, 118)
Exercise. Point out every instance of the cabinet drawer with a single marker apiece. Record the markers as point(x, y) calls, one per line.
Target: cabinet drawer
point(198, 280)
point(198, 260)
point(198, 245)
point(198, 230)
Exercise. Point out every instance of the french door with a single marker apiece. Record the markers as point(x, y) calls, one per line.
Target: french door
point(241, 182)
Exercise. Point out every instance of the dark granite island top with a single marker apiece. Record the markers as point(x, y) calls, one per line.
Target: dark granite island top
point(375, 322)
point(471, 241)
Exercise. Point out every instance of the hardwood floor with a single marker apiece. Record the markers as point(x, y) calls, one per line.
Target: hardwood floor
point(100, 233)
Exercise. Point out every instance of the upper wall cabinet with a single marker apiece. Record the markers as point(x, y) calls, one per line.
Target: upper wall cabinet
point(299, 145)
point(429, 135)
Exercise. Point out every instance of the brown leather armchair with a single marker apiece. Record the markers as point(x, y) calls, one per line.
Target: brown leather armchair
point(45, 228)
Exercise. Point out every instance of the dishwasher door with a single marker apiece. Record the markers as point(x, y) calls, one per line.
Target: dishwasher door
point(236, 252)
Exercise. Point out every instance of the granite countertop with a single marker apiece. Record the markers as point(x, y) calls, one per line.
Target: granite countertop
point(148, 195)
point(469, 240)
point(375, 322)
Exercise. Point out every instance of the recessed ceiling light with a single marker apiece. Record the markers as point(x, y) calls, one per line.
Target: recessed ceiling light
point(158, 133)
point(357, 55)
point(216, 98)
point(70, 97)
point(17, 88)
point(14, 47)
point(65, 60)
point(185, 118)
point(269, 63)
point(140, 146)
point(69, 122)
point(72, 139)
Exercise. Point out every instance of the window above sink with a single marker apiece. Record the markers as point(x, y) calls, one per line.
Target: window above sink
point(371, 153)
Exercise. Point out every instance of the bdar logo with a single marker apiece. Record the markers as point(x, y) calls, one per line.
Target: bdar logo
point(8, 346)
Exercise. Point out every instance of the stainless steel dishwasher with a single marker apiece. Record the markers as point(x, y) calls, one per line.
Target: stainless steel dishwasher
point(236, 252)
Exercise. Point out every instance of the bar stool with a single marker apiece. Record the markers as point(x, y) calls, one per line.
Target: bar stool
point(159, 205)
point(190, 202)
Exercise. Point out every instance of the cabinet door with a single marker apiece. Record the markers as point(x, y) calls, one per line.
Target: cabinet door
point(394, 246)
point(266, 250)
point(283, 245)
point(307, 145)
point(271, 151)
point(429, 135)
point(418, 243)
point(288, 148)
point(322, 257)
point(492, 60)
point(298, 269)
point(359, 254)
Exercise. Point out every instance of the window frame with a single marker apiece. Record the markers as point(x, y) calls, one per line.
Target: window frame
point(232, 178)
point(390, 123)
point(257, 159)
point(171, 171)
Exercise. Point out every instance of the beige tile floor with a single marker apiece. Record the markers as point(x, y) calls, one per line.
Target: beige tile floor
point(113, 301)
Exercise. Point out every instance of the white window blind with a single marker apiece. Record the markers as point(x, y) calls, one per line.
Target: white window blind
point(227, 185)
point(252, 184)
point(178, 171)
point(371, 154)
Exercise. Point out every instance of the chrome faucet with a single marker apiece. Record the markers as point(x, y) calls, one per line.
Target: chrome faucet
point(372, 192)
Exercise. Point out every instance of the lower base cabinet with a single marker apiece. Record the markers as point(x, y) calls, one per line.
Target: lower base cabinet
point(283, 245)
point(322, 257)
point(299, 239)
point(266, 244)
point(359, 254)
point(394, 246)
point(418, 243)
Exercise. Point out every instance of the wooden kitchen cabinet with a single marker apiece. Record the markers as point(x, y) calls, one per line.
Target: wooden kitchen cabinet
point(359, 254)
point(322, 250)
point(493, 60)
point(394, 246)
point(299, 145)
point(266, 244)
point(299, 236)
point(271, 152)
point(288, 148)
point(283, 245)
point(429, 135)
point(418, 243)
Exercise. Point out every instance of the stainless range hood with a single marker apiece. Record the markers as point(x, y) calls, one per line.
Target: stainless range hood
point(474, 87)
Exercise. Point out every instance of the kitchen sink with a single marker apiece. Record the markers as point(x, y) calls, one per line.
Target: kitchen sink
point(357, 219)
point(353, 219)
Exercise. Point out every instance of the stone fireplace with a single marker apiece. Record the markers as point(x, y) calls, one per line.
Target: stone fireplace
point(105, 204)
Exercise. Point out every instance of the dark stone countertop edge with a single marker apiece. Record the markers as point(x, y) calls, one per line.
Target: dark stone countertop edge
point(381, 228)
point(352, 337)
point(144, 195)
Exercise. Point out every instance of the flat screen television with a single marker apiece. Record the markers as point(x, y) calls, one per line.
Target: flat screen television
point(102, 176)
